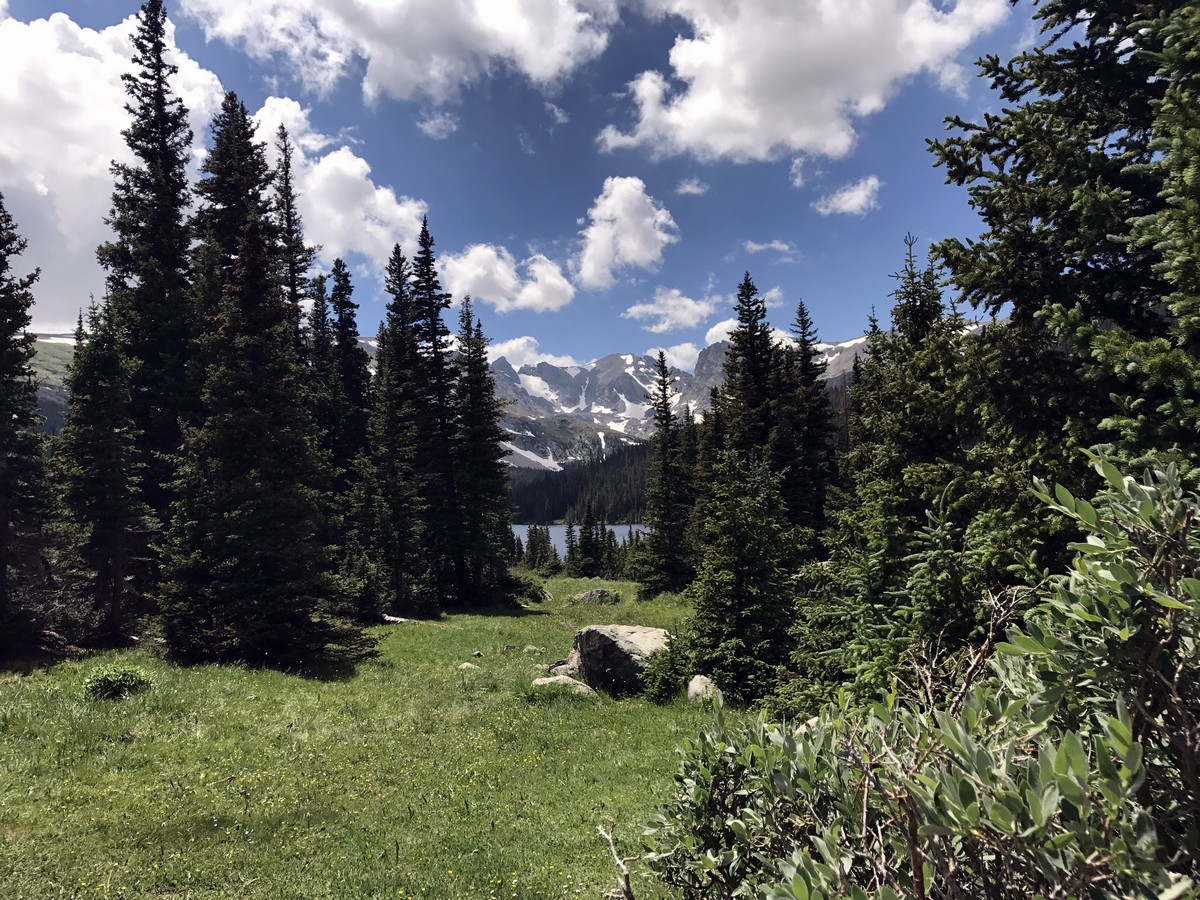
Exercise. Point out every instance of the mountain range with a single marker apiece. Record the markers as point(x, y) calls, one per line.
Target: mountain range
point(555, 414)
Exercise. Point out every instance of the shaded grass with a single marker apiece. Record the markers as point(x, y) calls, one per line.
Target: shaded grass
point(411, 779)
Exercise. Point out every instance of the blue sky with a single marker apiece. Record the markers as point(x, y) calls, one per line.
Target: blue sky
point(597, 173)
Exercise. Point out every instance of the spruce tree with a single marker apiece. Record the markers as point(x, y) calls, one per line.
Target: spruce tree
point(296, 256)
point(746, 394)
point(353, 376)
point(98, 470)
point(669, 497)
point(436, 426)
point(22, 475)
point(147, 262)
point(245, 572)
point(742, 593)
point(482, 474)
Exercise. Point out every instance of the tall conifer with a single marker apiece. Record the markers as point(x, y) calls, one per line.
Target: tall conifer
point(669, 497)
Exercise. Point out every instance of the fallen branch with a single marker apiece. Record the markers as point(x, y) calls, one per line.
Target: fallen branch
point(625, 891)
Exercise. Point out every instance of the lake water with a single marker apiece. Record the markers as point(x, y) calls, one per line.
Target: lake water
point(558, 534)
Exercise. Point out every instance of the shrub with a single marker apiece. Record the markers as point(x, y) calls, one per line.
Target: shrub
point(116, 682)
point(668, 670)
point(1064, 765)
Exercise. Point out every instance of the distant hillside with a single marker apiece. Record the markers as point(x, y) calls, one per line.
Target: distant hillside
point(615, 486)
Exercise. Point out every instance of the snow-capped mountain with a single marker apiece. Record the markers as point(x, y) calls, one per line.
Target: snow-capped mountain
point(558, 414)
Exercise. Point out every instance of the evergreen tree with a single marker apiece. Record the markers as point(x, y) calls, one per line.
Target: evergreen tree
point(244, 570)
point(97, 468)
point(746, 394)
point(22, 476)
point(324, 380)
point(436, 429)
point(147, 262)
point(742, 595)
point(669, 497)
point(387, 521)
point(482, 473)
point(352, 385)
point(296, 256)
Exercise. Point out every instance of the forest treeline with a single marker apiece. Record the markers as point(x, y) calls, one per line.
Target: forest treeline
point(614, 486)
point(228, 460)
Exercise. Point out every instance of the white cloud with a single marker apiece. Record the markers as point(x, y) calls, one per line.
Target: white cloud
point(431, 47)
point(62, 104)
point(557, 115)
point(627, 227)
point(671, 310)
point(490, 274)
point(438, 126)
point(693, 187)
point(796, 172)
point(855, 199)
point(720, 331)
point(681, 356)
point(786, 249)
point(765, 78)
point(344, 210)
point(523, 351)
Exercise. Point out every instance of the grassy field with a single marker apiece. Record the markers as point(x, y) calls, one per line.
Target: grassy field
point(409, 778)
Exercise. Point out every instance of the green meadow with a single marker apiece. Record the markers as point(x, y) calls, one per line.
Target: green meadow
point(406, 777)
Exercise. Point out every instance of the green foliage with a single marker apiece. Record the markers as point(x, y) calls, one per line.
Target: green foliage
point(1068, 768)
point(667, 671)
point(742, 592)
point(116, 682)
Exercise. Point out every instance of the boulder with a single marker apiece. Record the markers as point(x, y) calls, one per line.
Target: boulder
point(612, 657)
point(701, 689)
point(555, 682)
point(598, 595)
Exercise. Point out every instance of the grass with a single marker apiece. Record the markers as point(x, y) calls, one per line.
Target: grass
point(410, 778)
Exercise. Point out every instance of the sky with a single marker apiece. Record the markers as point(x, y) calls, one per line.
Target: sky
point(597, 174)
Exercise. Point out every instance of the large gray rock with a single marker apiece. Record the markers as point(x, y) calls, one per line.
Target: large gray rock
point(612, 657)
point(701, 689)
point(561, 682)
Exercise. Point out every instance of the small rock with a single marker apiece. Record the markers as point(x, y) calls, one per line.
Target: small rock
point(562, 681)
point(701, 689)
point(598, 595)
point(466, 667)
point(393, 620)
point(477, 654)
point(529, 648)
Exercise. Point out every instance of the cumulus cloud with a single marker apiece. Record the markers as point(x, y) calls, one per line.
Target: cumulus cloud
point(62, 104)
point(681, 356)
point(491, 274)
point(856, 199)
point(438, 126)
point(671, 310)
point(693, 187)
point(720, 331)
point(557, 115)
point(786, 250)
point(421, 46)
point(628, 228)
point(523, 351)
point(763, 78)
point(344, 210)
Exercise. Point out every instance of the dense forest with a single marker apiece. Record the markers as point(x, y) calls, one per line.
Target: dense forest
point(228, 462)
point(614, 486)
point(984, 685)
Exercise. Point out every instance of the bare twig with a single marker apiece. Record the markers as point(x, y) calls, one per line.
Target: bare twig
point(625, 890)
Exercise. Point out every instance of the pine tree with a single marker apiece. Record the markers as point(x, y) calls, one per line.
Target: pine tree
point(22, 476)
point(481, 471)
point(245, 572)
point(97, 468)
point(353, 382)
point(742, 593)
point(296, 256)
point(746, 394)
point(669, 497)
point(443, 514)
point(147, 262)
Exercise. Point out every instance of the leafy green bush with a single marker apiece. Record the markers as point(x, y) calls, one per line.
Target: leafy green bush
point(667, 671)
point(1063, 765)
point(116, 682)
